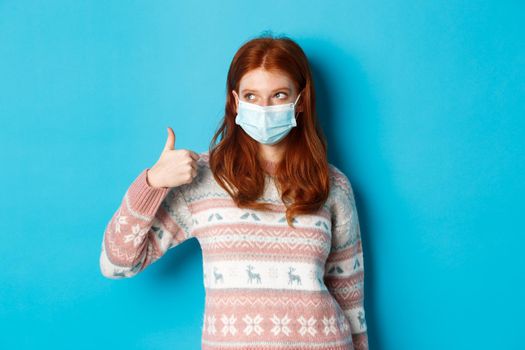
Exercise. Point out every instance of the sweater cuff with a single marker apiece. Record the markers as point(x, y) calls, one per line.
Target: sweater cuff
point(145, 198)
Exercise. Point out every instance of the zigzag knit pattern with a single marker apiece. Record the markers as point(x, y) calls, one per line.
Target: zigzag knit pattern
point(268, 285)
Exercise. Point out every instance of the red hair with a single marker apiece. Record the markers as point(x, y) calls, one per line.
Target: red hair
point(302, 176)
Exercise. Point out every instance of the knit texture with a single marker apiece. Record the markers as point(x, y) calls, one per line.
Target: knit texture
point(268, 286)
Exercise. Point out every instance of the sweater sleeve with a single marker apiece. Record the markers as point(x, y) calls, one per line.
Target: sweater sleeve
point(148, 222)
point(344, 269)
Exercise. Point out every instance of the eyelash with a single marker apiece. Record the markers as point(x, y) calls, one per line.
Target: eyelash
point(280, 92)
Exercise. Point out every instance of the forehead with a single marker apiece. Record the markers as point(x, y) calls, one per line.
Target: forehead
point(265, 81)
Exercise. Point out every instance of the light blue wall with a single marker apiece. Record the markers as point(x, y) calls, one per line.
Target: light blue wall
point(423, 105)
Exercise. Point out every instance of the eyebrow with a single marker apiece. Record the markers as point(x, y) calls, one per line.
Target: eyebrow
point(281, 88)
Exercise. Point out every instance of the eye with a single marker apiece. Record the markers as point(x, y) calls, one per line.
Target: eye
point(281, 93)
point(246, 96)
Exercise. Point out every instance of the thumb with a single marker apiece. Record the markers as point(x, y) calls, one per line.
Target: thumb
point(170, 142)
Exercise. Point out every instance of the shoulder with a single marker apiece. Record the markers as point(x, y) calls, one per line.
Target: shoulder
point(341, 201)
point(204, 160)
point(339, 181)
point(203, 164)
point(342, 206)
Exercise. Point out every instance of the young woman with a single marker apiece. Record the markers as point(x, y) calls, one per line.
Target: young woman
point(277, 224)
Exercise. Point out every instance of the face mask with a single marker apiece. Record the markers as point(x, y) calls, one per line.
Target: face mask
point(266, 124)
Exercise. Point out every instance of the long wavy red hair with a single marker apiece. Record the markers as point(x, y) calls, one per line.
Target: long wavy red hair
point(302, 176)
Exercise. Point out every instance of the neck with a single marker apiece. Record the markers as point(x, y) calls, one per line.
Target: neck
point(272, 153)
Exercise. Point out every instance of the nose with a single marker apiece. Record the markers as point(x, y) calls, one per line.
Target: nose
point(265, 102)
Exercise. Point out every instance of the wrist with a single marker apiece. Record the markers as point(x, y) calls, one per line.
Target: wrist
point(150, 179)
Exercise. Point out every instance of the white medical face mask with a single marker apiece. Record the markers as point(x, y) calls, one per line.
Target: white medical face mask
point(266, 124)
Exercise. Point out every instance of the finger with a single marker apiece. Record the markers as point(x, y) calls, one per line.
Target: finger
point(170, 142)
point(194, 155)
point(194, 164)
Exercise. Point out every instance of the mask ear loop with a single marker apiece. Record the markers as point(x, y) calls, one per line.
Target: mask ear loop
point(297, 99)
point(295, 103)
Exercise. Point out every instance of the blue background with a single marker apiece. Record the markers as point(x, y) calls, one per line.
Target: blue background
point(423, 106)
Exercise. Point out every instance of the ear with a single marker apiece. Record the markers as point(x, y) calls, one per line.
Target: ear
point(236, 100)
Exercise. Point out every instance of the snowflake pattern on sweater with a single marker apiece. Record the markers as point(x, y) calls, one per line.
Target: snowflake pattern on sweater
point(268, 285)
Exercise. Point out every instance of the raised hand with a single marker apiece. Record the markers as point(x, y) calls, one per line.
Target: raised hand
point(175, 167)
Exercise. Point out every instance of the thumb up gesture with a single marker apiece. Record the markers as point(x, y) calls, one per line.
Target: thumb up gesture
point(174, 167)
